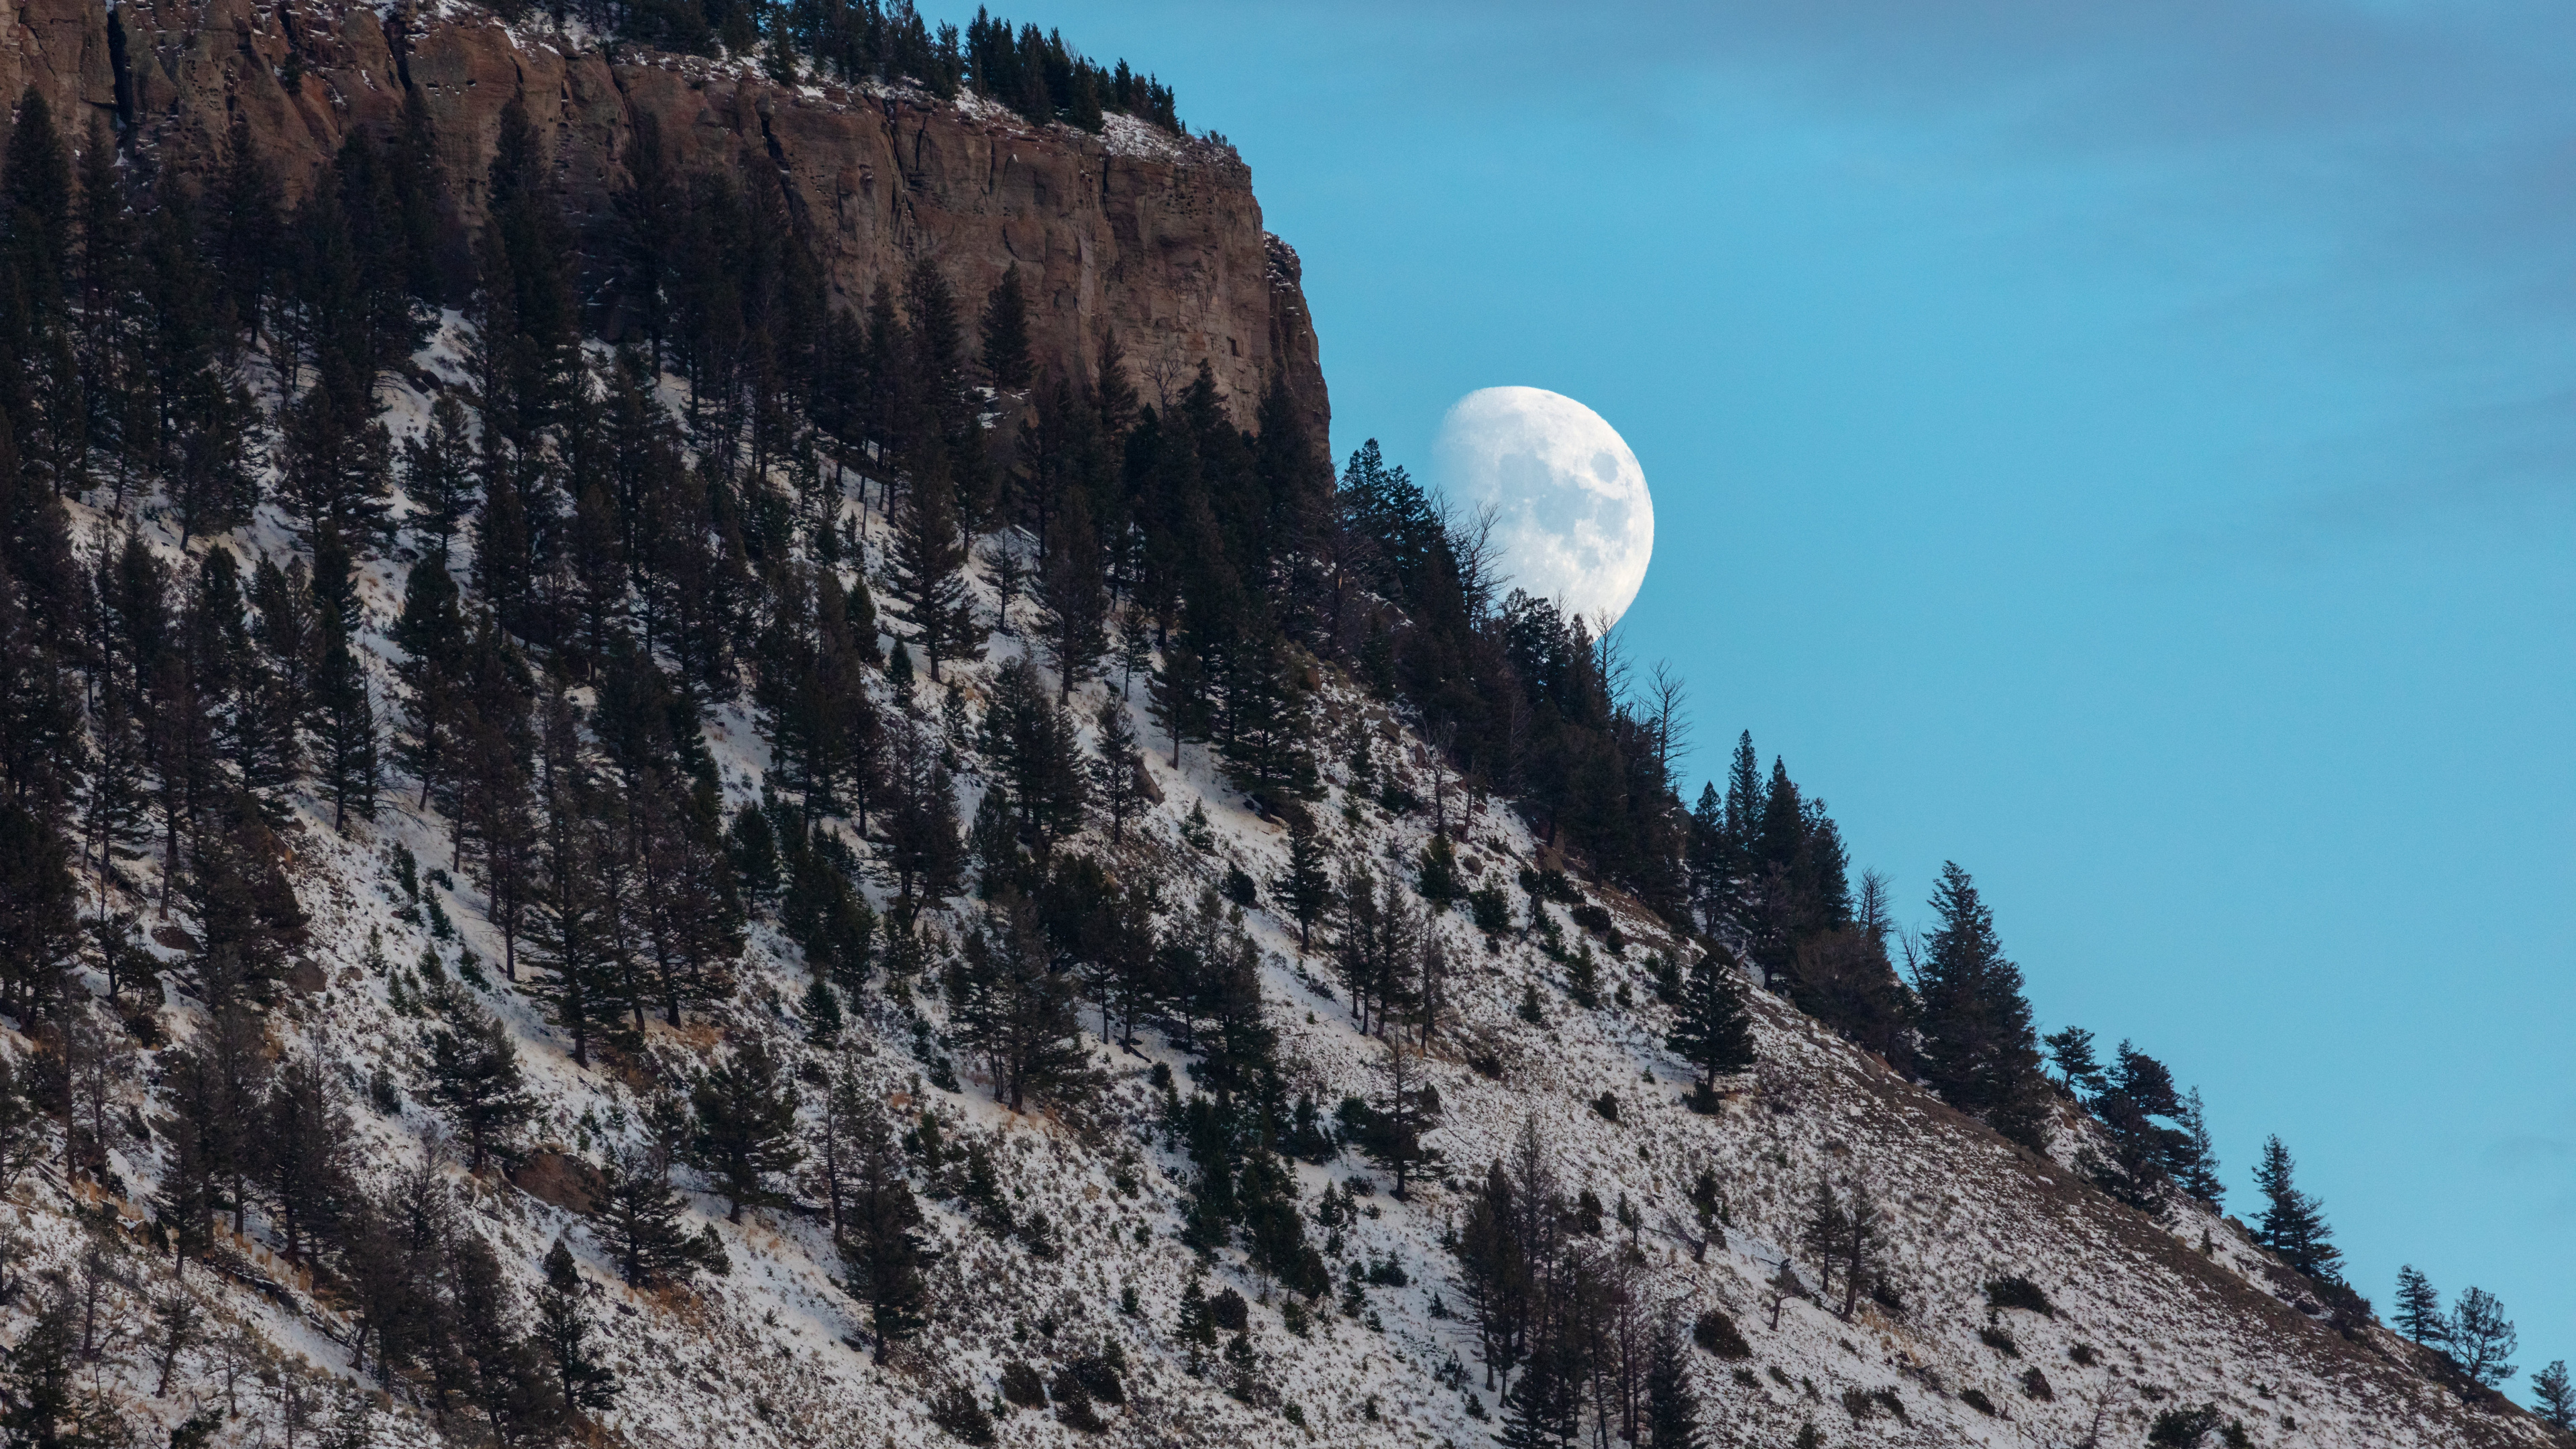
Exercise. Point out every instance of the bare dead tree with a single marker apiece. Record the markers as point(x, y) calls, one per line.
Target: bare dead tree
point(1666, 699)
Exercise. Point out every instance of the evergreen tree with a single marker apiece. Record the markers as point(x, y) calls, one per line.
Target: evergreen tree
point(1118, 775)
point(1177, 697)
point(2553, 1396)
point(39, 381)
point(746, 1127)
point(2071, 1052)
point(2481, 1338)
point(881, 1232)
point(1391, 1129)
point(1978, 1048)
point(302, 1157)
point(2419, 1308)
point(1711, 1030)
point(1014, 1012)
point(343, 711)
point(437, 471)
point(1672, 1405)
point(1006, 333)
point(928, 556)
point(638, 1217)
point(563, 1331)
point(476, 1082)
point(1069, 588)
point(1307, 889)
point(2293, 1224)
point(572, 935)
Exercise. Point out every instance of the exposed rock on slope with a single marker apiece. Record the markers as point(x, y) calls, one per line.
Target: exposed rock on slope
point(1154, 237)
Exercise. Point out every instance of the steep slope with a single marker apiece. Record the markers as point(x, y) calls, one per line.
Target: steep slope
point(1137, 232)
point(772, 1351)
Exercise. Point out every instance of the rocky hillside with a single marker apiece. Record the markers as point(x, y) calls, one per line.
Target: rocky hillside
point(1137, 232)
point(1079, 1249)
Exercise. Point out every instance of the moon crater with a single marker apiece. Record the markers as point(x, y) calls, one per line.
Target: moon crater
point(1572, 518)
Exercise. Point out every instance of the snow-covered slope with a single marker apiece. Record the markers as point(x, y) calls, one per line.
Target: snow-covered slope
point(2146, 1317)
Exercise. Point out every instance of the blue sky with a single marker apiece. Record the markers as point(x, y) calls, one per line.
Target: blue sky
point(2127, 450)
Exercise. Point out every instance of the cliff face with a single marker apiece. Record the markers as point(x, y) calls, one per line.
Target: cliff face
point(1152, 237)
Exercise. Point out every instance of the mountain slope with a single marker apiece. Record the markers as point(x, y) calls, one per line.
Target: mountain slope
point(771, 1351)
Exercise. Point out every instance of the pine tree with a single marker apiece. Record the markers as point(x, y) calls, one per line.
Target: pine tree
point(571, 934)
point(2553, 1396)
point(1307, 889)
point(2071, 1052)
point(1006, 333)
point(2293, 1224)
point(303, 1157)
point(1118, 774)
point(1069, 588)
point(746, 1127)
point(438, 475)
point(929, 559)
point(563, 1331)
point(1978, 1048)
point(476, 1083)
point(1672, 1405)
point(1014, 1012)
point(881, 1232)
point(344, 717)
point(2481, 1338)
point(637, 1216)
point(2419, 1308)
point(1177, 697)
point(1711, 1030)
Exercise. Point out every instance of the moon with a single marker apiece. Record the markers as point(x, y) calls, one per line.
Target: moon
point(1572, 517)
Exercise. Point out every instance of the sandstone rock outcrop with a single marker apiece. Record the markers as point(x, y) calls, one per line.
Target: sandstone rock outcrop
point(1153, 237)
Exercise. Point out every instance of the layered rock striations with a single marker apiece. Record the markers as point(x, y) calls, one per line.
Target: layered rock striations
point(1137, 233)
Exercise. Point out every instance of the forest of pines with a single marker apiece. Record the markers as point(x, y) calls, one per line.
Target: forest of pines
point(593, 572)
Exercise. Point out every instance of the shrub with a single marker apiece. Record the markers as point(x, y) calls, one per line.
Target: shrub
point(2019, 1292)
point(2084, 1355)
point(1994, 1337)
point(1716, 1333)
point(1073, 1407)
point(1021, 1385)
point(1228, 1311)
point(2036, 1385)
point(955, 1410)
point(1976, 1399)
point(2184, 1428)
point(1097, 1374)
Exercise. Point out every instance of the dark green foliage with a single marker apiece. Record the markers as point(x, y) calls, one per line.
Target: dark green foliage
point(880, 1233)
point(2418, 1312)
point(2481, 1338)
point(46, 1402)
point(745, 1133)
point(1022, 1386)
point(2184, 1428)
point(961, 1415)
point(1978, 1049)
point(2553, 1396)
point(1672, 1405)
point(2016, 1291)
point(1015, 1013)
point(563, 1331)
point(1716, 1333)
point(2293, 1224)
point(476, 1083)
point(637, 1217)
point(1710, 1028)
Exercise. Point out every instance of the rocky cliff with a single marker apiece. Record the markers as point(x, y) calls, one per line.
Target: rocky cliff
point(1136, 232)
